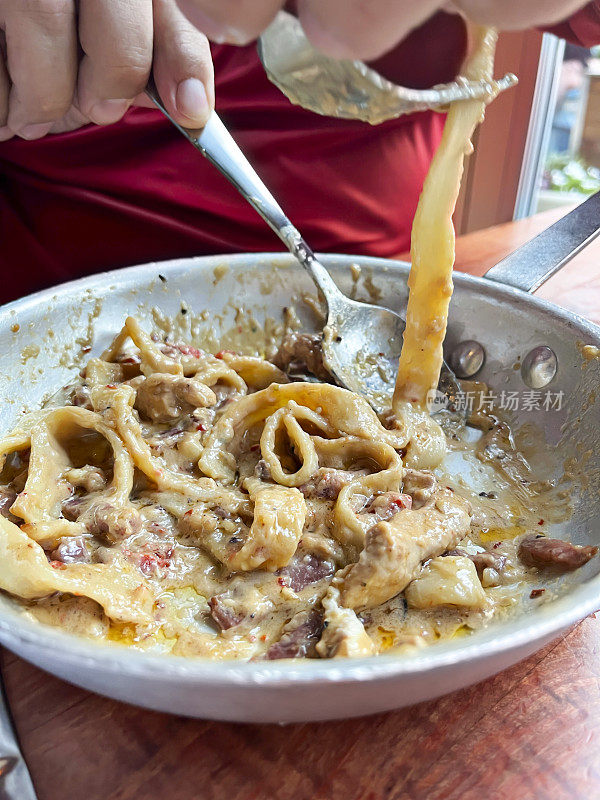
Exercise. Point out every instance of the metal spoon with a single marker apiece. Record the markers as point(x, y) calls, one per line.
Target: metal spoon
point(361, 342)
point(351, 89)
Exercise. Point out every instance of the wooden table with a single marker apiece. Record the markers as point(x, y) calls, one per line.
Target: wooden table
point(531, 732)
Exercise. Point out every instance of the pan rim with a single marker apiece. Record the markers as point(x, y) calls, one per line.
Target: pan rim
point(500, 638)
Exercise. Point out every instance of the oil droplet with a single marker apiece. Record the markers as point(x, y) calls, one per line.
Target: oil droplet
point(501, 534)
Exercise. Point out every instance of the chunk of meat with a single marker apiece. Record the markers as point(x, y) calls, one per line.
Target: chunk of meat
point(154, 561)
point(420, 485)
point(394, 550)
point(344, 634)
point(302, 352)
point(327, 483)
point(299, 638)
point(81, 397)
point(73, 507)
point(306, 569)
point(163, 397)
point(72, 551)
point(554, 553)
point(386, 504)
point(262, 471)
point(130, 364)
point(224, 612)
point(7, 497)
point(112, 523)
point(482, 561)
point(487, 560)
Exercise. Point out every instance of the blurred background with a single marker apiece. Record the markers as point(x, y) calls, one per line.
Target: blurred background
point(540, 143)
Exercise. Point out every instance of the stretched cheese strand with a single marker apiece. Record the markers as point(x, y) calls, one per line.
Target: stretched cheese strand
point(432, 245)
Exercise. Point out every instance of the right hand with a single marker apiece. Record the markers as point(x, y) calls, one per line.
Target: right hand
point(64, 64)
point(364, 29)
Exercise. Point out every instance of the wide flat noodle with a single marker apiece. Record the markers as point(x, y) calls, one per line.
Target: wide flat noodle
point(342, 412)
point(432, 243)
point(279, 515)
point(46, 488)
point(26, 572)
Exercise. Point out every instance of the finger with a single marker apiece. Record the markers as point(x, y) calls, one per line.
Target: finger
point(359, 29)
point(183, 70)
point(232, 21)
point(71, 121)
point(515, 14)
point(41, 46)
point(116, 38)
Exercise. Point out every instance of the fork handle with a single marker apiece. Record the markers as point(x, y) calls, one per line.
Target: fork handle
point(216, 143)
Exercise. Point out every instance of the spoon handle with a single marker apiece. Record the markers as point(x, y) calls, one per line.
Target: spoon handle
point(216, 143)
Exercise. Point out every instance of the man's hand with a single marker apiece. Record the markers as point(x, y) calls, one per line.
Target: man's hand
point(364, 29)
point(65, 63)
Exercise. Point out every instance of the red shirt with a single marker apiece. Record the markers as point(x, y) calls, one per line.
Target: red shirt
point(98, 198)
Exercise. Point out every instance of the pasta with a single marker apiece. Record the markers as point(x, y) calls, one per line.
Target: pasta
point(211, 505)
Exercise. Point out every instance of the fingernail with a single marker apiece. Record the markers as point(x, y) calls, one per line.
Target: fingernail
point(108, 111)
point(192, 102)
point(34, 131)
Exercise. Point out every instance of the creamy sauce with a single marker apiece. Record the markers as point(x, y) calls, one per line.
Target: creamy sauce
point(206, 506)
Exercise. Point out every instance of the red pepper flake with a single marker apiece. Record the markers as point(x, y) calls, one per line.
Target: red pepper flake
point(187, 513)
point(188, 350)
point(497, 544)
point(111, 386)
point(263, 638)
point(86, 349)
point(58, 565)
point(402, 503)
point(536, 593)
point(541, 522)
point(201, 427)
point(282, 581)
point(221, 353)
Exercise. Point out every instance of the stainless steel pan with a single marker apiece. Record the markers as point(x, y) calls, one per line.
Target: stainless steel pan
point(44, 353)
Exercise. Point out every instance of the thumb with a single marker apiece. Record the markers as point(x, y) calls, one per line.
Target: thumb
point(182, 68)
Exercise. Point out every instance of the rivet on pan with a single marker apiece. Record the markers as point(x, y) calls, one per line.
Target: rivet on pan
point(467, 358)
point(539, 367)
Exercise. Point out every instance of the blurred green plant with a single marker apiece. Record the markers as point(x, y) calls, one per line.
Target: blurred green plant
point(564, 173)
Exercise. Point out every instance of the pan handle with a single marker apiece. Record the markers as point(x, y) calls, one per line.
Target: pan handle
point(533, 263)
